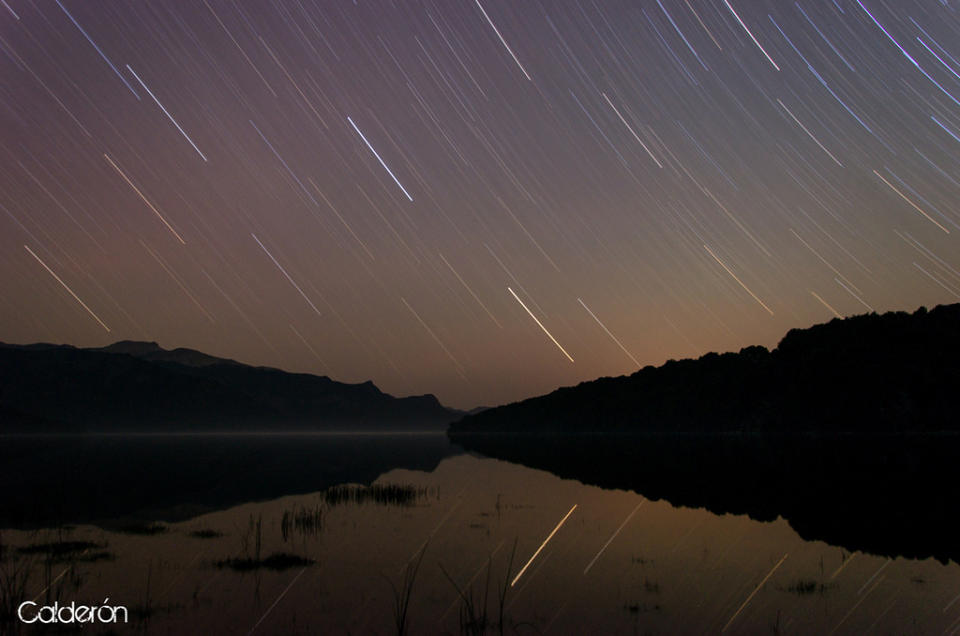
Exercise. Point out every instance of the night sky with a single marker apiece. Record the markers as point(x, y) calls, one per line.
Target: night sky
point(480, 200)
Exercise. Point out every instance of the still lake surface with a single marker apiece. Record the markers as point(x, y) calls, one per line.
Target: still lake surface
point(257, 533)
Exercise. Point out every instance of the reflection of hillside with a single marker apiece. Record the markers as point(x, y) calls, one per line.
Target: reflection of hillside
point(888, 495)
point(890, 372)
point(77, 479)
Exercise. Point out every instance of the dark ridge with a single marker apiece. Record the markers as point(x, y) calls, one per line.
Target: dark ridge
point(140, 387)
point(132, 347)
point(153, 352)
point(895, 372)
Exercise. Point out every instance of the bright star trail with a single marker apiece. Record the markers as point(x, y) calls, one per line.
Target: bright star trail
point(94, 44)
point(912, 204)
point(705, 175)
point(740, 282)
point(754, 593)
point(607, 331)
point(169, 116)
point(144, 198)
point(287, 276)
point(502, 41)
point(70, 291)
point(810, 134)
point(542, 545)
point(752, 37)
point(612, 537)
point(434, 336)
point(380, 159)
point(540, 324)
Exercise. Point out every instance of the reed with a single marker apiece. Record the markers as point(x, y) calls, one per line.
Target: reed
point(15, 570)
point(383, 494)
point(306, 521)
point(475, 618)
point(404, 592)
point(278, 561)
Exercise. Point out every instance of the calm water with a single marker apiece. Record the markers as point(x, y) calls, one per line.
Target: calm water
point(238, 534)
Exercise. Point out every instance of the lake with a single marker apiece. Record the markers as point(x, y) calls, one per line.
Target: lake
point(346, 534)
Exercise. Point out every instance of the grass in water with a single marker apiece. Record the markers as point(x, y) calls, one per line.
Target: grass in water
point(306, 521)
point(475, 618)
point(146, 529)
point(404, 592)
point(59, 548)
point(805, 587)
point(72, 551)
point(206, 533)
point(383, 494)
point(15, 570)
point(251, 544)
point(278, 561)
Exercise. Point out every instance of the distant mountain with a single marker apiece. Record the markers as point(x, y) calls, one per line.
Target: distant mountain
point(139, 386)
point(894, 372)
point(153, 351)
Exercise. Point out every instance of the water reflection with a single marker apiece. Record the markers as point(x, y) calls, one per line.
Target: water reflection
point(340, 561)
point(111, 479)
point(885, 494)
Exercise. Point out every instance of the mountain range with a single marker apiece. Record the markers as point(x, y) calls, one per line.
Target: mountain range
point(895, 372)
point(140, 387)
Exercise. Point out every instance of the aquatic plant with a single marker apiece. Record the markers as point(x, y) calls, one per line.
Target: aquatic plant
point(60, 550)
point(143, 528)
point(253, 532)
point(404, 592)
point(383, 494)
point(277, 561)
point(804, 587)
point(14, 575)
point(474, 614)
point(301, 519)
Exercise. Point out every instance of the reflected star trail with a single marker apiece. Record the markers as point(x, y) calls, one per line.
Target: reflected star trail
point(707, 175)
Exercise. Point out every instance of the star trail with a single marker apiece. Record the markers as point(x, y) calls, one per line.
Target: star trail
point(429, 176)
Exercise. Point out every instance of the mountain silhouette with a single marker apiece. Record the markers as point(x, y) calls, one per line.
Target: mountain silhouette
point(153, 351)
point(139, 386)
point(895, 372)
